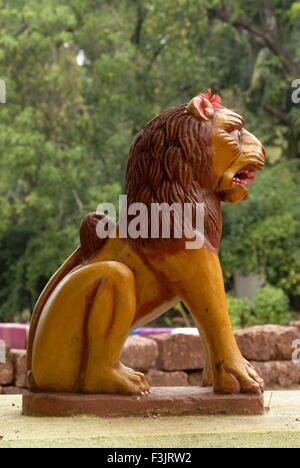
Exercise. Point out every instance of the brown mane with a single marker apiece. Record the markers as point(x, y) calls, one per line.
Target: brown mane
point(170, 162)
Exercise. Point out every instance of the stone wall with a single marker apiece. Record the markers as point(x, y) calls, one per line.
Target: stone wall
point(13, 372)
point(178, 360)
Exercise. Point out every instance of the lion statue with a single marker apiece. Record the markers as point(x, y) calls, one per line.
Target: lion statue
point(191, 154)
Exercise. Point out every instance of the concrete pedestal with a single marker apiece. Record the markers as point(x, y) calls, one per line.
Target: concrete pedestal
point(162, 401)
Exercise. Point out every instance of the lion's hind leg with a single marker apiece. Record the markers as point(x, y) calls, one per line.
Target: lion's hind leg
point(81, 331)
point(111, 312)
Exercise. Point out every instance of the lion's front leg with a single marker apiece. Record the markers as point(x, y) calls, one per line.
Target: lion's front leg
point(203, 292)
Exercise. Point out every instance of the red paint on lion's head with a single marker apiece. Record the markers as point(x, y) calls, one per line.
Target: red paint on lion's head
point(214, 100)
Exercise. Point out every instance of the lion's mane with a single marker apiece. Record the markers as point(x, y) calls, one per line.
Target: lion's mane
point(171, 162)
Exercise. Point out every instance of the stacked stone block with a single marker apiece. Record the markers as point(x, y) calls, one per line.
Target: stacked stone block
point(178, 359)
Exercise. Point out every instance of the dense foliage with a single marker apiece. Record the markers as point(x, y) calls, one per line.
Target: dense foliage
point(270, 305)
point(82, 78)
point(262, 235)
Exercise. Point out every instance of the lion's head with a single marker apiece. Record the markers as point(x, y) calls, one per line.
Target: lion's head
point(195, 153)
point(237, 154)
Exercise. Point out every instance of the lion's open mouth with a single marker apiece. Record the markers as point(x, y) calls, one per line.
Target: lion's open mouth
point(242, 177)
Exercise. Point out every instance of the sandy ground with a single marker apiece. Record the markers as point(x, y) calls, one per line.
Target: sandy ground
point(280, 427)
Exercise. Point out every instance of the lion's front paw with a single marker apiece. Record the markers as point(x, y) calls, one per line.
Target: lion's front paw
point(239, 377)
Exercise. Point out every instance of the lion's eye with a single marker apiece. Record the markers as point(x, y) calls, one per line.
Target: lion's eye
point(236, 134)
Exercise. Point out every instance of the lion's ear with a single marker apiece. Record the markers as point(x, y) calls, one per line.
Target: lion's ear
point(201, 108)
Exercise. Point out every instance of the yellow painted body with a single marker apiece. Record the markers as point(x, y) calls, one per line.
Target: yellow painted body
point(90, 313)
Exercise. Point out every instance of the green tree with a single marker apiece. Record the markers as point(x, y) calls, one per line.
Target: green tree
point(262, 235)
point(273, 31)
point(83, 77)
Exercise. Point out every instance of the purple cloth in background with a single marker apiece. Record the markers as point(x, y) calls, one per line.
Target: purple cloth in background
point(151, 331)
point(14, 334)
